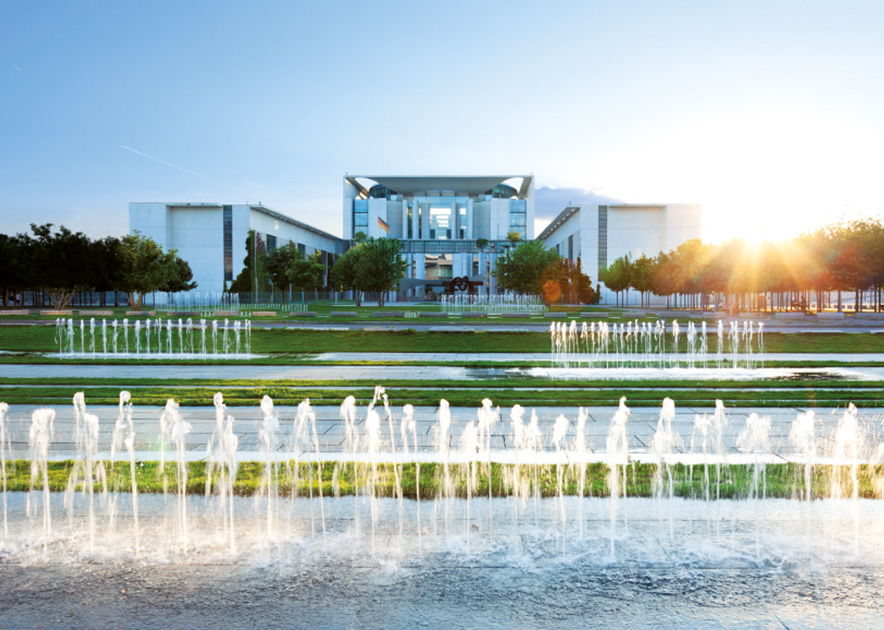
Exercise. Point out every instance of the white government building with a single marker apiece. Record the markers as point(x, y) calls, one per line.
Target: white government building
point(211, 237)
point(439, 220)
point(449, 226)
point(600, 234)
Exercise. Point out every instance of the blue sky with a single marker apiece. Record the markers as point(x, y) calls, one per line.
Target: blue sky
point(770, 114)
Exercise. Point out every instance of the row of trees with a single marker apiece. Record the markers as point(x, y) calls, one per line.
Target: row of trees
point(370, 266)
point(842, 257)
point(62, 263)
point(284, 268)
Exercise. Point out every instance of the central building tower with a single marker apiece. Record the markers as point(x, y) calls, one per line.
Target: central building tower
point(449, 226)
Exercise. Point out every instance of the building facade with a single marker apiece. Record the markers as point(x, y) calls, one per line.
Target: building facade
point(449, 226)
point(211, 237)
point(599, 235)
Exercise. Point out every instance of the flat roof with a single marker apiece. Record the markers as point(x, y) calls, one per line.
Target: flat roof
point(256, 207)
point(467, 184)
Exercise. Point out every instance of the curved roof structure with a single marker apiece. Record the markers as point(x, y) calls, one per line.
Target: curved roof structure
point(465, 185)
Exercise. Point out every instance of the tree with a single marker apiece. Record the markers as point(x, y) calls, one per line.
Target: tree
point(305, 273)
point(144, 268)
point(278, 263)
point(59, 263)
point(181, 277)
point(253, 277)
point(616, 276)
point(566, 279)
point(104, 261)
point(373, 265)
point(481, 243)
point(513, 237)
point(521, 269)
point(379, 267)
point(14, 252)
point(344, 273)
point(642, 277)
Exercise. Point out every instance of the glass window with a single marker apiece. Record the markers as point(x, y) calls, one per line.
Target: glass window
point(228, 243)
point(440, 222)
point(360, 220)
point(518, 214)
point(437, 267)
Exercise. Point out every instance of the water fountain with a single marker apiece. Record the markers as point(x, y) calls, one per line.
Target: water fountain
point(162, 339)
point(726, 496)
point(644, 344)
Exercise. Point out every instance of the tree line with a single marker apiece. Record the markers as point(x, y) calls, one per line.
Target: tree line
point(62, 263)
point(844, 257)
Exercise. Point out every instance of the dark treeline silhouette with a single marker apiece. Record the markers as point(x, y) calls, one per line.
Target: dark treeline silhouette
point(60, 263)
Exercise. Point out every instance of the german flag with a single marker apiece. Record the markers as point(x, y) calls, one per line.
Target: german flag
point(383, 225)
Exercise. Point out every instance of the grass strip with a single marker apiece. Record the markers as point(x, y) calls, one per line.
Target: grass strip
point(338, 479)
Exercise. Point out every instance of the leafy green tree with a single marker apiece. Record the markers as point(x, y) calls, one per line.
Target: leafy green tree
point(522, 269)
point(180, 278)
point(372, 265)
point(379, 267)
point(617, 276)
point(144, 268)
point(344, 274)
point(306, 272)
point(278, 263)
point(641, 277)
point(287, 266)
point(59, 263)
point(104, 261)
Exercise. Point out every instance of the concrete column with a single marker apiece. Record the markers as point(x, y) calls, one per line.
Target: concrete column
point(414, 233)
point(404, 219)
point(419, 271)
point(457, 265)
point(469, 219)
point(492, 283)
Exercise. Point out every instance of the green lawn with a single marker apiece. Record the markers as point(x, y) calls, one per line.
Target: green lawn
point(729, 482)
point(279, 341)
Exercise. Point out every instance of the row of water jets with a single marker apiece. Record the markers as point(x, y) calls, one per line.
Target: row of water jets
point(651, 344)
point(491, 304)
point(153, 337)
point(377, 444)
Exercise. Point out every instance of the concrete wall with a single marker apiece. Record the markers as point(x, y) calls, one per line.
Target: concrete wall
point(635, 231)
point(197, 232)
point(149, 219)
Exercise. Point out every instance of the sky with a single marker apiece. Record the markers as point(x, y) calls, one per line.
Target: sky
point(769, 114)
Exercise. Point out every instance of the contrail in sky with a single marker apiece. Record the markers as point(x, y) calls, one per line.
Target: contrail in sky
point(179, 168)
point(17, 68)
